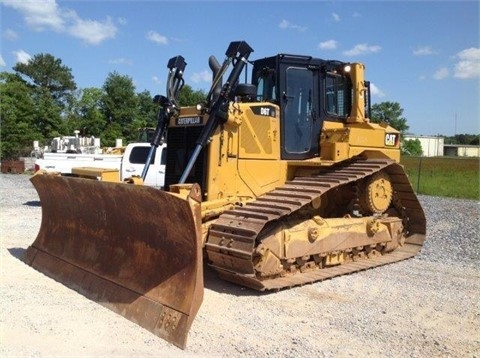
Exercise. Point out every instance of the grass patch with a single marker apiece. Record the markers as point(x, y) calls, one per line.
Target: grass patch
point(454, 177)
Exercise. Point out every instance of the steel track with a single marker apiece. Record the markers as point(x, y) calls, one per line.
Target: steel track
point(233, 237)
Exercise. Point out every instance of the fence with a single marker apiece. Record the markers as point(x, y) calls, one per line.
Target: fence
point(444, 176)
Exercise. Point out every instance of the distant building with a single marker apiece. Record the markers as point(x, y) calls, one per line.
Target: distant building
point(431, 146)
point(462, 150)
point(435, 147)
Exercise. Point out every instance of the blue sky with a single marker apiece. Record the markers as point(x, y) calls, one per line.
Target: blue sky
point(423, 54)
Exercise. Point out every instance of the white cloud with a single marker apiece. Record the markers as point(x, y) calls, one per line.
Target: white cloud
point(441, 73)
point(362, 49)
point(204, 76)
point(424, 51)
point(92, 31)
point(10, 35)
point(156, 80)
point(120, 61)
point(470, 54)
point(157, 38)
point(356, 14)
point(468, 65)
point(2, 62)
point(375, 91)
point(328, 45)
point(39, 15)
point(336, 17)
point(285, 24)
point(21, 56)
point(122, 20)
point(47, 15)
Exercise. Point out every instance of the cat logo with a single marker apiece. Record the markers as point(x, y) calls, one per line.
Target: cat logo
point(391, 139)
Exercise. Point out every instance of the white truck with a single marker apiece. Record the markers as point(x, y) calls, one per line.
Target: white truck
point(128, 164)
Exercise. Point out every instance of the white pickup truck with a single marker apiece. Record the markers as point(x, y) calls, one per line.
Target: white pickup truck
point(128, 164)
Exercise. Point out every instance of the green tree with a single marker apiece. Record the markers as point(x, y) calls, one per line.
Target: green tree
point(189, 97)
point(475, 140)
point(468, 139)
point(17, 117)
point(411, 147)
point(48, 118)
point(119, 106)
point(46, 71)
point(52, 92)
point(147, 110)
point(92, 121)
point(391, 113)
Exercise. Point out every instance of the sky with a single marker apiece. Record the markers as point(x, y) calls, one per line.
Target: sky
point(425, 55)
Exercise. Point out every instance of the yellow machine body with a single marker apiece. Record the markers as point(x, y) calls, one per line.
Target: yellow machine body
point(275, 184)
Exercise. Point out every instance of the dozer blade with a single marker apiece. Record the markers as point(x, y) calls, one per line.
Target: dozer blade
point(134, 249)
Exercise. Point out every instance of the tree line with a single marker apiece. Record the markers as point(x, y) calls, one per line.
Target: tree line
point(41, 100)
point(465, 139)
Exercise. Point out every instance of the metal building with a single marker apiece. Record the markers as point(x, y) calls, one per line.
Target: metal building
point(431, 146)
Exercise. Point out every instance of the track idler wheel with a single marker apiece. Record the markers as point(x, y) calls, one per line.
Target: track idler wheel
point(376, 193)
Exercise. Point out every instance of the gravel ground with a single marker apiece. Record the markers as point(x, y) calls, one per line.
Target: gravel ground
point(427, 306)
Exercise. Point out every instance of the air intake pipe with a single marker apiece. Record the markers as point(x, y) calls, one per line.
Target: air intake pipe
point(217, 87)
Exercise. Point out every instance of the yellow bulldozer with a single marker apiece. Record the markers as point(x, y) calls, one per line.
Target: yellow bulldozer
point(279, 182)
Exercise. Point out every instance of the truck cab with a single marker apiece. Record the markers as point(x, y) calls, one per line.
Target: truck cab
point(134, 160)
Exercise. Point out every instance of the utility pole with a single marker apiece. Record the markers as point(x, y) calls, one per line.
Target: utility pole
point(455, 124)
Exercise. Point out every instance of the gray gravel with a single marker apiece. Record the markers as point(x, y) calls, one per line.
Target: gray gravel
point(427, 306)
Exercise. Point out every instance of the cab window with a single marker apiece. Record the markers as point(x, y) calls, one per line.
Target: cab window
point(266, 88)
point(298, 105)
point(337, 101)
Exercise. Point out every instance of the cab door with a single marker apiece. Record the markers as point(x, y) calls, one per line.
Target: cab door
point(300, 107)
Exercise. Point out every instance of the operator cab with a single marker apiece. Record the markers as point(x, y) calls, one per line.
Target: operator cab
point(308, 91)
